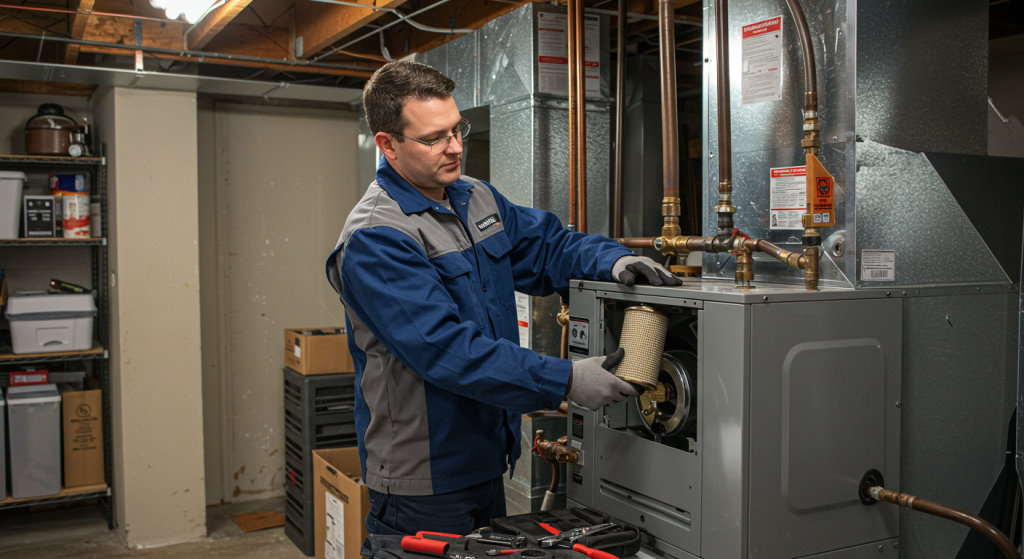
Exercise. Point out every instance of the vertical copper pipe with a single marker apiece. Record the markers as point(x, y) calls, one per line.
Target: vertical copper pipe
point(670, 207)
point(573, 156)
point(581, 112)
point(725, 208)
point(620, 110)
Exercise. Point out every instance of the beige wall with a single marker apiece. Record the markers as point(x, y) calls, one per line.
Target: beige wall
point(276, 185)
point(156, 389)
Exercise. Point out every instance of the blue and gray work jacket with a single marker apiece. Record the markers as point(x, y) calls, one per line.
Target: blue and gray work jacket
point(441, 381)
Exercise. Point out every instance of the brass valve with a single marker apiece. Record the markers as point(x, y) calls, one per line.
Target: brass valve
point(555, 451)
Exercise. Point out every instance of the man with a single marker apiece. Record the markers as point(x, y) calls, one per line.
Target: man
point(426, 267)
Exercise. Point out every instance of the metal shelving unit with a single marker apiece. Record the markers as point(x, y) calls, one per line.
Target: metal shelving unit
point(98, 356)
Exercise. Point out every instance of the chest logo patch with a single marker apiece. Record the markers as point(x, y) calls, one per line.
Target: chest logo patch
point(488, 222)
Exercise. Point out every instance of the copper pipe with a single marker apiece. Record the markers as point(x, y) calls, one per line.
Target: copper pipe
point(563, 319)
point(573, 156)
point(637, 242)
point(581, 111)
point(806, 48)
point(725, 209)
point(949, 513)
point(620, 110)
point(670, 205)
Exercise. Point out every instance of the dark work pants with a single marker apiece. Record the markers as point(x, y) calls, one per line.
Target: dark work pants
point(459, 512)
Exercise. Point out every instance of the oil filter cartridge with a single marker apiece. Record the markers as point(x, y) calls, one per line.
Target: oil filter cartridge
point(643, 337)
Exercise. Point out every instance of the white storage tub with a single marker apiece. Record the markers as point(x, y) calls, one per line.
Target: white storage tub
point(11, 185)
point(33, 414)
point(46, 323)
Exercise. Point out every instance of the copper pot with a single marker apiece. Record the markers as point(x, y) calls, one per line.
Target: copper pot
point(50, 132)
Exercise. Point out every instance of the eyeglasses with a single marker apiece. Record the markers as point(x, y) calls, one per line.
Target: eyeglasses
point(461, 132)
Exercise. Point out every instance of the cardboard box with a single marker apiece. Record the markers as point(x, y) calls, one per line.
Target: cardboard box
point(83, 438)
point(317, 351)
point(341, 503)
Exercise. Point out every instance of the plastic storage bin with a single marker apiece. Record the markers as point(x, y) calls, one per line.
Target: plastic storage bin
point(33, 417)
point(45, 323)
point(11, 185)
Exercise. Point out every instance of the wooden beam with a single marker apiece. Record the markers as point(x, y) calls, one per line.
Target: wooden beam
point(47, 88)
point(214, 22)
point(122, 30)
point(76, 28)
point(320, 25)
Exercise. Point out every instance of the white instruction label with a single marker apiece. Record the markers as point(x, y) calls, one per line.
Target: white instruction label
point(553, 54)
point(334, 542)
point(877, 265)
point(524, 308)
point(579, 335)
point(788, 197)
point(762, 61)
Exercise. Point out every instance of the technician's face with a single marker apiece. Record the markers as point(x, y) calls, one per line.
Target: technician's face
point(430, 168)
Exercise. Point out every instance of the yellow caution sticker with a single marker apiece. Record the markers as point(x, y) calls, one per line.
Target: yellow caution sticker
point(820, 194)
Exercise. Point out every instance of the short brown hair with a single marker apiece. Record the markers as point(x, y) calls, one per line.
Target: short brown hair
point(385, 93)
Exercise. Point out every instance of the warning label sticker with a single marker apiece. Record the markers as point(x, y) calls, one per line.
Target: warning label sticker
point(788, 198)
point(579, 335)
point(523, 312)
point(762, 61)
point(877, 265)
point(553, 54)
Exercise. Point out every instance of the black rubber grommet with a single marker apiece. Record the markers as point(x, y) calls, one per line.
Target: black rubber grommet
point(870, 479)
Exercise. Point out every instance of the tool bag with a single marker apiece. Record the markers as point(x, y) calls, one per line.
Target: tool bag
point(622, 541)
point(390, 547)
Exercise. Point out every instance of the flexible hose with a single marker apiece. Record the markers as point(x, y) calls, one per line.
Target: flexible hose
point(810, 72)
point(549, 495)
point(956, 515)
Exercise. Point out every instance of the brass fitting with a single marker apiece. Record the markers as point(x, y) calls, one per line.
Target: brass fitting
point(557, 451)
point(811, 254)
point(744, 267)
point(670, 211)
point(812, 133)
point(725, 199)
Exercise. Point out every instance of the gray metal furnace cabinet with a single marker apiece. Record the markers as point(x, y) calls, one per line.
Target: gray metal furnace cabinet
point(33, 414)
point(797, 398)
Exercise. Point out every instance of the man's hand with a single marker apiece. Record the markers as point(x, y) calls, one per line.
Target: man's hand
point(628, 269)
point(593, 384)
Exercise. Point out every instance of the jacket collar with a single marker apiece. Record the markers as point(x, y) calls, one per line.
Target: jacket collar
point(409, 199)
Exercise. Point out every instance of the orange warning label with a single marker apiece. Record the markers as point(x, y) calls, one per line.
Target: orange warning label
point(820, 193)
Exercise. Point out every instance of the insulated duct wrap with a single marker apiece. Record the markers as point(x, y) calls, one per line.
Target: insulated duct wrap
point(643, 338)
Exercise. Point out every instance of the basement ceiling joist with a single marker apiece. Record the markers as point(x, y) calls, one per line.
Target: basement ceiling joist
point(276, 35)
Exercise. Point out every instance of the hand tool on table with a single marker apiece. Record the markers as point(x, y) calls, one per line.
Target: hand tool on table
point(421, 544)
point(568, 539)
point(512, 541)
point(497, 552)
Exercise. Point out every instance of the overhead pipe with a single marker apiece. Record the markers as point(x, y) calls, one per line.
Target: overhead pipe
point(620, 110)
point(729, 239)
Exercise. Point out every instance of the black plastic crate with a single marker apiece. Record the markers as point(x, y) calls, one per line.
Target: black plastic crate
point(320, 395)
point(298, 522)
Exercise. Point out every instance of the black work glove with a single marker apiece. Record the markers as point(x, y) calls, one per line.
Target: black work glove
point(628, 269)
point(593, 384)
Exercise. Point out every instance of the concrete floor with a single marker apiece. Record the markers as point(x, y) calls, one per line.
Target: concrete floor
point(81, 533)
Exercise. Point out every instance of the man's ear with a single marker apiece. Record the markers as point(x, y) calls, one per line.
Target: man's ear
point(386, 143)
